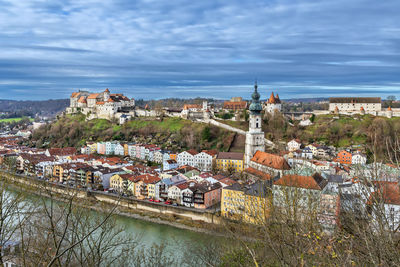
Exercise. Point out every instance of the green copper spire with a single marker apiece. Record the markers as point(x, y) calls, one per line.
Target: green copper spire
point(255, 106)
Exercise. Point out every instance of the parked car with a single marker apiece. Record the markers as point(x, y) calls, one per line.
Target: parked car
point(168, 202)
point(157, 200)
point(152, 200)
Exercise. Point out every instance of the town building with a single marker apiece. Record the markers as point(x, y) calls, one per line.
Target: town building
point(246, 203)
point(236, 103)
point(230, 160)
point(355, 105)
point(344, 157)
point(294, 145)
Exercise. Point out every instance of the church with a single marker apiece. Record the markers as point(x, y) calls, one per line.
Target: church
point(258, 163)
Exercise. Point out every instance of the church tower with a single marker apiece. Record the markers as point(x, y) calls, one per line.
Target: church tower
point(255, 139)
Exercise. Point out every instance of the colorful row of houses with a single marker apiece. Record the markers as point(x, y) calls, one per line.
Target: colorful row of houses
point(203, 160)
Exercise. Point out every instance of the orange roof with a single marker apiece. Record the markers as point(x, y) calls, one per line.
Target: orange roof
point(188, 106)
point(259, 174)
point(271, 98)
point(270, 160)
point(388, 192)
point(235, 105)
point(148, 178)
point(100, 103)
point(75, 94)
point(93, 96)
point(107, 90)
point(82, 99)
point(315, 182)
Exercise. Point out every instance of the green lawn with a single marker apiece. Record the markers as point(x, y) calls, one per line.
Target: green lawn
point(13, 120)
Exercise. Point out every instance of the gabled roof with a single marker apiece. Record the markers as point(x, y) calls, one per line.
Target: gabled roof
point(388, 192)
point(148, 178)
point(82, 99)
point(270, 160)
point(75, 94)
point(192, 106)
point(259, 174)
point(315, 182)
point(93, 96)
point(192, 152)
point(235, 105)
point(66, 151)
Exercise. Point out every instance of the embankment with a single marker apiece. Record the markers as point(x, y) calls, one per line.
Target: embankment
point(180, 217)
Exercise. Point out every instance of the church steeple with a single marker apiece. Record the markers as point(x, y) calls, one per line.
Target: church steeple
point(255, 106)
point(254, 136)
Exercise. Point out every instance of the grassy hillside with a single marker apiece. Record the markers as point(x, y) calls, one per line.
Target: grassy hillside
point(13, 120)
point(170, 133)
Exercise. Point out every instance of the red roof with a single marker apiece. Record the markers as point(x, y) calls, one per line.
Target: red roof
point(260, 174)
point(192, 152)
point(66, 151)
point(93, 96)
point(315, 182)
point(388, 192)
point(270, 160)
point(148, 178)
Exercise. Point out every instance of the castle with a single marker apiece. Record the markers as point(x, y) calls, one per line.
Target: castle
point(102, 105)
point(273, 103)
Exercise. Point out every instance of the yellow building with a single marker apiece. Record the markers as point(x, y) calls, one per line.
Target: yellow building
point(122, 182)
point(247, 203)
point(230, 160)
point(92, 147)
point(126, 150)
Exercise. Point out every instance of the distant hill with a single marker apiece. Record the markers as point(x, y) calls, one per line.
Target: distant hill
point(306, 100)
point(13, 108)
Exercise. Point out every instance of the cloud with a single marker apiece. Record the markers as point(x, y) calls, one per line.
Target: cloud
point(154, 49)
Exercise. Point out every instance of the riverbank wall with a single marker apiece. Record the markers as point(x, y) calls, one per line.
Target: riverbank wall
point(183, 215)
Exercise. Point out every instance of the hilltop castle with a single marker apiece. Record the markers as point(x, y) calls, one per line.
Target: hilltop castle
point(102, 105)
point(273, 103)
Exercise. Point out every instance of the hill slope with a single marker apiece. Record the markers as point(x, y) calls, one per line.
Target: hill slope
point(170, 133)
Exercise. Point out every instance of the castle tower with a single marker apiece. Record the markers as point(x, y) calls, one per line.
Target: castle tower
point(106, 95)
point(255, 139)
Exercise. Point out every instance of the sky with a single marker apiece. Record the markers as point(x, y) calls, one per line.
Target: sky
point(158, 49)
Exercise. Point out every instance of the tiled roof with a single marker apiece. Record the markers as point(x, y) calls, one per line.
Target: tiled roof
point(192, 152)
point(230, 155)
point(259, 174)
point(355, 100)
point(75, 94)
point(235, 105)
point(93, 96)
point(388, 192)
point(315, 182)
point(270, 160)
point(82, 99)
point(148, 178)
point(192, 106)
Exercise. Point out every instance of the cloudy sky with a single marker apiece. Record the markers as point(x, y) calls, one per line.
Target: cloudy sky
point(176, 48)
